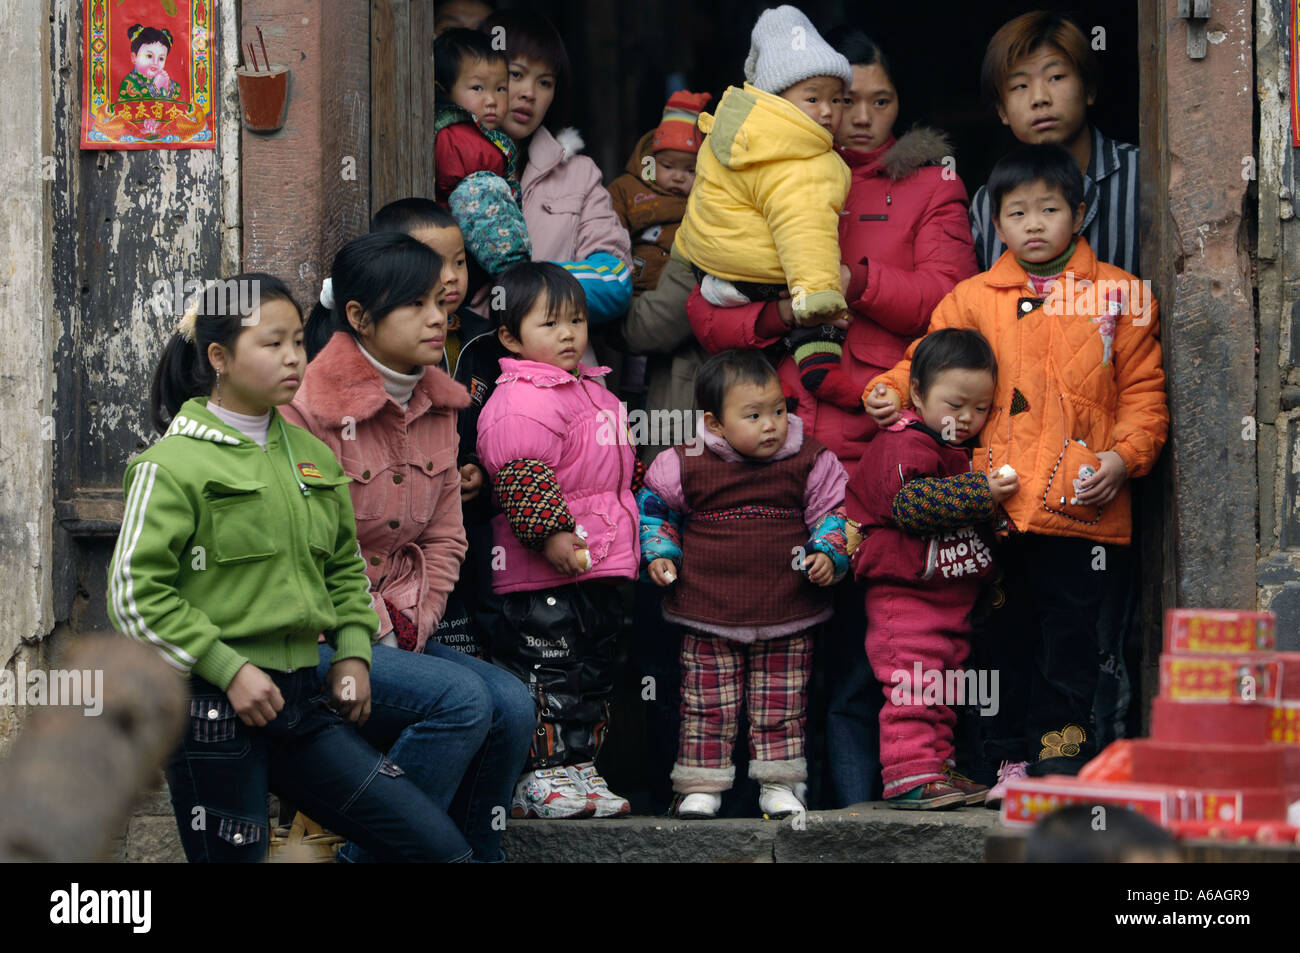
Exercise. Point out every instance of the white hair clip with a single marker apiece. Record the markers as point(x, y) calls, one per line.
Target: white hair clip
point(327, 293)
point(185, 327)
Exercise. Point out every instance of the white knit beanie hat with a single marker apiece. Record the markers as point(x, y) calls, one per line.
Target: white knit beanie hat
point(785, 48)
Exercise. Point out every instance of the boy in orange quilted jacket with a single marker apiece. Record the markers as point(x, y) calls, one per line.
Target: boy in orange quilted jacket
point(1079, 410)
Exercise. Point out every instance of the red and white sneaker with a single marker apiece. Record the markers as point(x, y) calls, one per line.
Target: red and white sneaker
point(550, 794)
point(590, 783)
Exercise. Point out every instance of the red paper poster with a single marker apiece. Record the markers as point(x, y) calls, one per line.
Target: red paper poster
point(147, 75)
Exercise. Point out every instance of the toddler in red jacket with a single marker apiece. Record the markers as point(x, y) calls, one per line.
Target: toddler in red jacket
point(921, 510)
point(475, 162)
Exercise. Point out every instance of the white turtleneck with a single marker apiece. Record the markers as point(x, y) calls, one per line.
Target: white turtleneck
point(400, 387)
point(254, 428)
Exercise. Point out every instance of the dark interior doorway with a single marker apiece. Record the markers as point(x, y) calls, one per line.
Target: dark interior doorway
point(628, 57)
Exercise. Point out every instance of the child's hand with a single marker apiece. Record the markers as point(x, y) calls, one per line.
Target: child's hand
point(883, 405)
point(1102, 487)
point(785, 308)
point(663, 571)
point(471, 481)
point(1003, 488)
point(821, 571)
point(256, 699)
point(348, 682)
point(563, 553)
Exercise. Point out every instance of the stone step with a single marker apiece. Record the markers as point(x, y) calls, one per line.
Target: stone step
point(870, 833)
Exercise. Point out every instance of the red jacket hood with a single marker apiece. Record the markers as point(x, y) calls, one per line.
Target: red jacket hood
point(342, 383)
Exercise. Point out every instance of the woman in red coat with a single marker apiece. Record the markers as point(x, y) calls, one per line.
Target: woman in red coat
point(905, 241)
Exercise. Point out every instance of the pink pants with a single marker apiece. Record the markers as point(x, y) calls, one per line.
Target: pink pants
point(907, 626)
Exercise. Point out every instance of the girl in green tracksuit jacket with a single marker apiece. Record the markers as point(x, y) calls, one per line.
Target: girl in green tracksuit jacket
point(237, 550)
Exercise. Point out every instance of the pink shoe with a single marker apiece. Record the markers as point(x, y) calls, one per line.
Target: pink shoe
point(1010, 771)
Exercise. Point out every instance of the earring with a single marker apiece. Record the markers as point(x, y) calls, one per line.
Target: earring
point(218, 388)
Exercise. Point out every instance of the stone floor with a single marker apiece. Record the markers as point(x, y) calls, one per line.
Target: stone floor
point(865, 833)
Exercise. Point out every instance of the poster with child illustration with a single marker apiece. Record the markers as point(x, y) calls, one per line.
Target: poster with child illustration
point(147, 78)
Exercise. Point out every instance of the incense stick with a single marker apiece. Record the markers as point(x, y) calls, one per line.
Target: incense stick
point(252, 57)
point(265, 59)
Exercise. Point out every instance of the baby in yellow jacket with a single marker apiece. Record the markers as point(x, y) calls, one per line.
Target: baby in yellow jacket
point(769, 187)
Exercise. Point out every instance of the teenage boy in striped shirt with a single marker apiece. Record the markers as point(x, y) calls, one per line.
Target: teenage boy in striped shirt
point(1040, 75)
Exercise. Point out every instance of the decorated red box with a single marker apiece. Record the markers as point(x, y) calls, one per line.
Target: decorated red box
point(1214, 723)
point(1029, 800)
point(1154, 761)
point(1239, 679)
point(1259, 832)
point(1219, 631)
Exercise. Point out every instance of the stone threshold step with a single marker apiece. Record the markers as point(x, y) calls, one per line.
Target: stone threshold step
point(864, 833)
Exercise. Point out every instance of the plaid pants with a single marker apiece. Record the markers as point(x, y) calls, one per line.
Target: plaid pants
point(771, 676)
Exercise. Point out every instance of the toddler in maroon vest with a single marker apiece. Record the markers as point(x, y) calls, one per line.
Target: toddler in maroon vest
point(746, 525)
point(923, 513)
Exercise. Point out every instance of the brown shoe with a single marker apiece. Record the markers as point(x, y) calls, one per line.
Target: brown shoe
point(932, 796)
point(974, 791)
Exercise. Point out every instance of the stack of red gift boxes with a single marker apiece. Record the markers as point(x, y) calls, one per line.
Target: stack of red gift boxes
point(1223, 759)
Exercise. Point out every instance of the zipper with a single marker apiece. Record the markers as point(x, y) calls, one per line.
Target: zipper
point(289, 505)
point(464, 349)
point(619, 492)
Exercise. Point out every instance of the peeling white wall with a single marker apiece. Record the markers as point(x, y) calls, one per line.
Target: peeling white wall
point(26, 382)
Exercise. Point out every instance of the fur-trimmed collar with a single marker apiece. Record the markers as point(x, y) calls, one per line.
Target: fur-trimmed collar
point(547, 150)
point(720, 447)
point(919, 147)
point(545, 375)
point(340, 383)
point(570, 143)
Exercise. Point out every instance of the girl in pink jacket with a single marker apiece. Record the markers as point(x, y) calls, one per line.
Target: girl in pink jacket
point(562, 476)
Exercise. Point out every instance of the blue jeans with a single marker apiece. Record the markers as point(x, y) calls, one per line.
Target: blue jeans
point(458, 726)
point(220, 775)
point(854, 699)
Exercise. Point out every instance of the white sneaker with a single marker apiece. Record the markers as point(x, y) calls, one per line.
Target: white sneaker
point(550, 793)
point(591, 784)
point(699, 806)
point(778, 799)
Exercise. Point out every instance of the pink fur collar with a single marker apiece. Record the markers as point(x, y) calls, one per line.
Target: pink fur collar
point(340, 383)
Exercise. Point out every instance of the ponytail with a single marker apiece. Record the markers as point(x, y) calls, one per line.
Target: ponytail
point(321, 325)
point(176, 379)
point(216, 316)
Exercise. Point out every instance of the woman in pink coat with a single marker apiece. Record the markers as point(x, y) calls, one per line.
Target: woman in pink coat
point(905, 242)
point(458, 725)
point(568, 212)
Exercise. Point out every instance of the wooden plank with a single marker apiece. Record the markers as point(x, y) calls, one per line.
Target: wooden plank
point(1154, 535)
point(401, 52)
point(384, 127)
point(420, 124)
